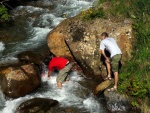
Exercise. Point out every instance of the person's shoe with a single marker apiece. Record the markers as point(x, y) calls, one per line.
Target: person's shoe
point(108, 78)
point(112, 89)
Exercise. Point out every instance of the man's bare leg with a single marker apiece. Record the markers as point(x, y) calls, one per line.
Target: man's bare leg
point(59, 85)
point(67, 81)
point(67, 78)
point(116, 80)
point(108, 68)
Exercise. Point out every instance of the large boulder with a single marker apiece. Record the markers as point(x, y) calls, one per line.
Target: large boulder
point(75, 38)
point(19, 80)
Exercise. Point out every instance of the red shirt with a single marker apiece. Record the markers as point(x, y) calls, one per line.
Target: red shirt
point(57, 63)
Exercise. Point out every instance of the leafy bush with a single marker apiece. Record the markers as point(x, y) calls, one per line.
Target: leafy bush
point(3, 13)
point(92, 13)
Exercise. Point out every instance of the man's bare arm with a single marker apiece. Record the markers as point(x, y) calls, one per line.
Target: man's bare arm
point(49, 73)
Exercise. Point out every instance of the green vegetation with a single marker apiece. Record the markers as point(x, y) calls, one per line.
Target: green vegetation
point(92, 13)
point(3, 13)
point(135, 75)
point(134, 79)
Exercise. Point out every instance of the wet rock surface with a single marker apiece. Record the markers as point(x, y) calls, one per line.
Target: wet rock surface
point(41, 105)
point(102, 86)
point(30, 57)
point(80, 40)
point(19, 80)
point(117, 102)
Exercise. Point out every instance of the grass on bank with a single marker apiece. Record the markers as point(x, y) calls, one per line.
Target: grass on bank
point(134, 79)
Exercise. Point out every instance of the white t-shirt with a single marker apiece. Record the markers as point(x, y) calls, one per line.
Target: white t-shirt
point(110, 45)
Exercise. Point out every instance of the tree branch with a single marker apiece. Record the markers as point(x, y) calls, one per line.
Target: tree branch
point(3, 2)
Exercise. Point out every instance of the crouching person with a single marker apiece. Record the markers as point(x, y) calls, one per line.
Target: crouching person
point(63, 66)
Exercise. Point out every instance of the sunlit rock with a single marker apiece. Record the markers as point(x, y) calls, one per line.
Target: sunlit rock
point(20, 80)
point(75, 38)
point(102, 86)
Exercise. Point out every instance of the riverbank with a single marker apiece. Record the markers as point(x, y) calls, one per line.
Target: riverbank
point(134, 75)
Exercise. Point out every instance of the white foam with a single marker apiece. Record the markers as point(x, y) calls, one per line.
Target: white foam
point(49, 20)
point(72, 95)
point(8, 60)
point(31, 9)
point(2, 46)
point(39, 34)
point(94, 108)
point(73, 7)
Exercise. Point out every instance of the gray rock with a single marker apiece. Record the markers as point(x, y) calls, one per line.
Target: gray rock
point(116, 102)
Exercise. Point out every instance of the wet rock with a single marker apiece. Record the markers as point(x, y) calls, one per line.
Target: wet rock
point(117, 102)
point(41, 105)
point(36, 105)
point(80, 40)
point(19, 80)
point(102, 86)
point(30, 57)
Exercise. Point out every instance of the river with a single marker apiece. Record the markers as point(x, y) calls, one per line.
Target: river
point(28, 30)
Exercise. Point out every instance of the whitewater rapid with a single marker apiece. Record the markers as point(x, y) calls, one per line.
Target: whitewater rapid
point(68, 96)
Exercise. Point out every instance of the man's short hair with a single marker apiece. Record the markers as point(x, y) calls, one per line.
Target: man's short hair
point(104, 34)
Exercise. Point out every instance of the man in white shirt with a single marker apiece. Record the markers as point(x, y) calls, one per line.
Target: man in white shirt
point(115, 56)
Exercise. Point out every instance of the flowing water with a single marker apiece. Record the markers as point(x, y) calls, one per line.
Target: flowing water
point(32, 23)
point(73, 95)
point(28, 31)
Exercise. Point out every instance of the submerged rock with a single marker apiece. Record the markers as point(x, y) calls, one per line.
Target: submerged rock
point(117, 102)
point(19, 80)
point(80, 40)
point(36, 105)
point(41, 105)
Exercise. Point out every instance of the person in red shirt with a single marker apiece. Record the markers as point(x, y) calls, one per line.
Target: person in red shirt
point(63, 66)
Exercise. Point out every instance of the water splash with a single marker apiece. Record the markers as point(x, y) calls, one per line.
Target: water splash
point(72, 94)
point(2, 46)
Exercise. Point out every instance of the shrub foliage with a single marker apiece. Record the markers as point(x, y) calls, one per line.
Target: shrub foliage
point(3, 13)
